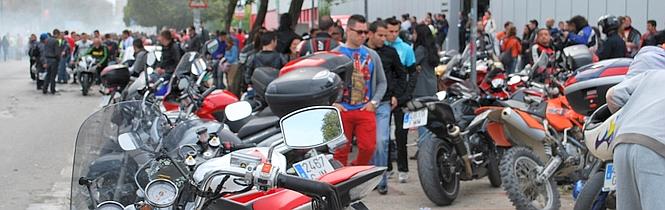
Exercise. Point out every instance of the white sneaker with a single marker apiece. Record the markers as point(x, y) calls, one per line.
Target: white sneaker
point(403, 177)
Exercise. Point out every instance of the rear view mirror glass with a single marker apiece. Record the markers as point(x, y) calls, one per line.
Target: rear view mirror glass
point(311, 127)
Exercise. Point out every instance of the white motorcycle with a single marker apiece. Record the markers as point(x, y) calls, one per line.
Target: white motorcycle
point(86, 71)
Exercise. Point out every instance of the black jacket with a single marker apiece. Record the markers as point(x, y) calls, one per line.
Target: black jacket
point(53, 48)
point(195, 44)
point(396, 75)
point(264, 59)
point(170, 57)
point(612, 47)
point(322, 42)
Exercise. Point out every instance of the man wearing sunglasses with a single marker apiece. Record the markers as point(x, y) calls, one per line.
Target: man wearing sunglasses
point(364, 89)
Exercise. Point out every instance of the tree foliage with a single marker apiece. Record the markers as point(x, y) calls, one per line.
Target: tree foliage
point(176, 13)
point(331, 126)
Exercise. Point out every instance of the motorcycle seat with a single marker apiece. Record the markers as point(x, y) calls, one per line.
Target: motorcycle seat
point(257, 124)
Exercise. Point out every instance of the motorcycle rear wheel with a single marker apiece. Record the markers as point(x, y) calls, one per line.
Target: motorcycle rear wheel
point(518, 173)
point(437, 171)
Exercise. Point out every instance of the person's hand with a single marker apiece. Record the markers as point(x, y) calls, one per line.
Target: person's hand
point(340, 107)
point(565, 34)
point(393, 103)
point(45, 65)
point(368, 107)
point(160, 71)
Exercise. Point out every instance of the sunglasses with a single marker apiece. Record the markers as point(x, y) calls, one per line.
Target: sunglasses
point(359, 31)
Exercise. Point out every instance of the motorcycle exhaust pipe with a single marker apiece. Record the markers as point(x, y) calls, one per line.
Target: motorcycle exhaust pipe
point(456, 139)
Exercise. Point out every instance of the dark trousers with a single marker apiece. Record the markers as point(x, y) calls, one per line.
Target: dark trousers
point(51, 72)
point(401, 137)
point(33, 75)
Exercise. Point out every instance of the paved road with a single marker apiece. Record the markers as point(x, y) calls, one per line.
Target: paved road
point(37, 134)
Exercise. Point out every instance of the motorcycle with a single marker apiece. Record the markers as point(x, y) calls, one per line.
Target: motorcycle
point(599, 191)
point(459, 148)
point(86, 71)
point(534, 134)
point(121, 162)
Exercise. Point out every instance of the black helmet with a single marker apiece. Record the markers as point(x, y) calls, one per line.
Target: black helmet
point(609, 23)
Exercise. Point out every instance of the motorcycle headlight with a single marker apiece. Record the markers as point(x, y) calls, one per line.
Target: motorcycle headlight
point(110, 205)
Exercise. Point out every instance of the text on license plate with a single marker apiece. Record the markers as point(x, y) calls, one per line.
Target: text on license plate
point(314, 167)
point(415, 119)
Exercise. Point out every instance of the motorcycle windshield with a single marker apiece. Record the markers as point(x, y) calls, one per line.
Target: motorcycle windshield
point(102, 170)
point(185, 64)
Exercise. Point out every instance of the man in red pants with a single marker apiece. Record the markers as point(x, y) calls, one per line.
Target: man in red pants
point(364, 89)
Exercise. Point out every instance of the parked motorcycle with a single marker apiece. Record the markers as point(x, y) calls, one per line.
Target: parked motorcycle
point(121, 162)
point(599, 190)
point(86, 71)
point(459, 148)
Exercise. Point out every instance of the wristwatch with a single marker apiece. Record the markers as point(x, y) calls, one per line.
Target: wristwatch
point(374, 102)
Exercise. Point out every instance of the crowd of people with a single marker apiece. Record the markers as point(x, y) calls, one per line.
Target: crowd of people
point(393, 62)
point(611, 37)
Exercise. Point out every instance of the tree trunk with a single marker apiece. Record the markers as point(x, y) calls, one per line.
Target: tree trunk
point(230, 12)
point(260, 18)
point(294, 12)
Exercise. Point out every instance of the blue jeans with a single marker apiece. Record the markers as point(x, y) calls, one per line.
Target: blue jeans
point(63, 76)
point(382, 138)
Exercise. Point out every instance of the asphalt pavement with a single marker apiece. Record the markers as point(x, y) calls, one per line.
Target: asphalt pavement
point(37, 134)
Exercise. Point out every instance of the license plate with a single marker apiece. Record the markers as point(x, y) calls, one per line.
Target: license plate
point(314, 167)
point(415, 119)
point(610, 178)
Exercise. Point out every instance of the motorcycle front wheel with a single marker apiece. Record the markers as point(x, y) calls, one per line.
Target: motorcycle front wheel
point(591, 193)
point(85, 83)
point(437, 171)
point(519, 169)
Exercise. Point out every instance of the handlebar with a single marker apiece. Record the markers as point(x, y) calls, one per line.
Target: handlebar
point(310, 187)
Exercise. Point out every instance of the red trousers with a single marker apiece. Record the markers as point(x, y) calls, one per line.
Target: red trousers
point(362, 125)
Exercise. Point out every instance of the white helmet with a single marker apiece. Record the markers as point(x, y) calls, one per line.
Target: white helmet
point(600, 133)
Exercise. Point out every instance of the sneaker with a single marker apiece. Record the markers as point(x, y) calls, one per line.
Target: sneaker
point(403, 177)
point(382, 190)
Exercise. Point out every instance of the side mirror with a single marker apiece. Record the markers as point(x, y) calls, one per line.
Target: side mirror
point(151, 59)
point(198, 67)
point(311, 127)
point(212, 46)
point(238, 110)
point(128, 141)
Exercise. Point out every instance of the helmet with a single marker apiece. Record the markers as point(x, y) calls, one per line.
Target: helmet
point(600, 133)
point(608, 23)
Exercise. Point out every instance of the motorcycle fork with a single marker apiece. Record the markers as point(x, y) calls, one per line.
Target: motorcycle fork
point(551, 147)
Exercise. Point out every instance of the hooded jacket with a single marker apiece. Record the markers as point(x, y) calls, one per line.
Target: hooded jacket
point(406, 54)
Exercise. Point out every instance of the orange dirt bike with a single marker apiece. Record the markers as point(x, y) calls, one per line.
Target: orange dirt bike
point(541, 144)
